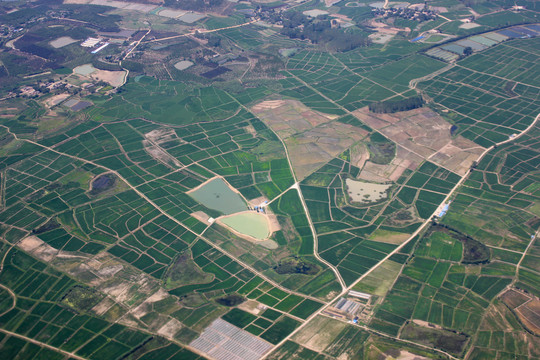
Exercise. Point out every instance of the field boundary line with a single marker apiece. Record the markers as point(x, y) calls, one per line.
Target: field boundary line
point(10, 333)
point(413, 235)
point(199, 236)
point(296, 186)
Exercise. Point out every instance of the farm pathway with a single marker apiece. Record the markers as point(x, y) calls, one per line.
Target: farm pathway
point(67, 353)
point(533, 239)
point(366, 328)
point(413, 235)
point(499, 77)
point(414, 82)
point(357, 74)
point(142, 195)
point(137, 44)
point(311, 226)
point(203, 31)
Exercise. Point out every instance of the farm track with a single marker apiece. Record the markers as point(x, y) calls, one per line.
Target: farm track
point(202, 31)
point(366, 328)
point(302, 200)
point(413, 235)
point(67, 353)
point(198, 236)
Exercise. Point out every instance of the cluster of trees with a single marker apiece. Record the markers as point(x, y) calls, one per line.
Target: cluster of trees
point(474, 252)
point(194, 5)
point(320, 30)
point(296, 266)
point(385, 107)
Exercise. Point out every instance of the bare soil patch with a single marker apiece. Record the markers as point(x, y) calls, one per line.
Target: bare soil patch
point(114, 78)
point(56, 99)
point(427, 135)
point(529, 317)
point(201, 216)
point(312, 138)
point(170, 328)
point(251, 306)
point(403, 160)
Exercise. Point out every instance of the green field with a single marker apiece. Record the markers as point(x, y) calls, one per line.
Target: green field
point(123, 205)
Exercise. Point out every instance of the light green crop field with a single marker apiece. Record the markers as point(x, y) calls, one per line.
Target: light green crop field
point(127, 228)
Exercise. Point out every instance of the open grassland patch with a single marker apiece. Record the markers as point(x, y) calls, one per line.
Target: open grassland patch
point(391, 237)
point(184, 271)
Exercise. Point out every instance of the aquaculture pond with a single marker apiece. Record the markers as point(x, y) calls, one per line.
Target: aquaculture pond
point(217, 195)
point(249, 223)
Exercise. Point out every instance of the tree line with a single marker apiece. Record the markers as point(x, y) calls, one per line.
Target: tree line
point(385, 107)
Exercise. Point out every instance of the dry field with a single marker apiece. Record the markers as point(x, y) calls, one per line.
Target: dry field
point(56, 99)
point(526, 307)
point(425, 134)
point(319, 333)
point(312, 138)
point(403, 160)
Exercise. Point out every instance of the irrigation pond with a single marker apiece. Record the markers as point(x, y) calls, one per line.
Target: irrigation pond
point(249, 223)
point(217, 195)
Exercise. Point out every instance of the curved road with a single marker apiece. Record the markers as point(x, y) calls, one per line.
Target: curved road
point(413, 235)
point(142, 195)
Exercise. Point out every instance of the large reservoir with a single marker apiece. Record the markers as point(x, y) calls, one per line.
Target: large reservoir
point(217, 195)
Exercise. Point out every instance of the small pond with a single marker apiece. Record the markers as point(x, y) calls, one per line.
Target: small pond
point(217, 195)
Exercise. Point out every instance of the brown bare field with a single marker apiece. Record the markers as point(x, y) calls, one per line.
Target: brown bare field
point(251, 306)
point(530, 318)
point(403, 160)
point(526, 307)
point(425, 134)
point(312, 138)
point(514, 298)
point(56, 99)
point(201, 216)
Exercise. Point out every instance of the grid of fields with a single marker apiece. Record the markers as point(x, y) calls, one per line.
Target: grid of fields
point(354, 237)
point(491, 95)
point(106, 254)
point(48, 312)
